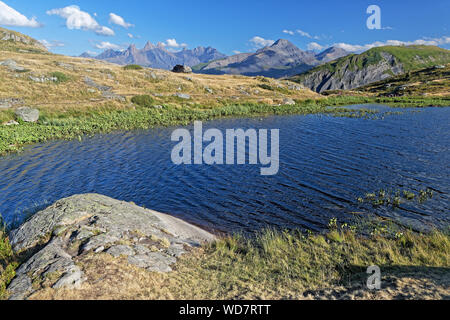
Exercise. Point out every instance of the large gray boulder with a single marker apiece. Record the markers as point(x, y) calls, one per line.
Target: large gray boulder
point(93, 224)
point(182, 69)
point(27, 114)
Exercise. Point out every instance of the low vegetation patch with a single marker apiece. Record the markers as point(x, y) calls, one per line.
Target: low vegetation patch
point(8, 262)
point(269, 265)
point(132, 67)
point(77, 123)
point(144, 101)
point(395, 198)
point(60, 77)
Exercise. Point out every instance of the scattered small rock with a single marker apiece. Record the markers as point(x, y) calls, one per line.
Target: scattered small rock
point(112, 96)
point(11, 123)
point(91, 83)
point(7, 103)
point(66, 66)
point(182, 96)
point(42, 79)
point(152, 75)
point(209, 90)
point(288, 102)
point(295, 87)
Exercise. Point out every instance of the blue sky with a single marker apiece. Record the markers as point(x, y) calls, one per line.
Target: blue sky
point(228, 25)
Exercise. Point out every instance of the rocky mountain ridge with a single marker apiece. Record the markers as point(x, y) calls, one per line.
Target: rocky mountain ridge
point(374, 65)
point(158, 57)
point(281, 59)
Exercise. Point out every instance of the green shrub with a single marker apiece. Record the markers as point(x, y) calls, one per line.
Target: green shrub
point(145, 101)
point(8, 262)
point(265, 87)
point(61, 77)
point(132, 67)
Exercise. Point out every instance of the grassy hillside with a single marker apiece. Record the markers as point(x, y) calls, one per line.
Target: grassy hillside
point(17, 42)
point(410, 57)
point(424, 82)
point(79, 96)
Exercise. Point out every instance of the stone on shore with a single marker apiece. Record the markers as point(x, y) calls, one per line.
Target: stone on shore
point(27, 114)
point(93, 224)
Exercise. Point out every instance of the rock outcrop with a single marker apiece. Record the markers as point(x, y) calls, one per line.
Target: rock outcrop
point(349, 78)
point(12, 36)
point(105, 90)
point(12, 65)
point(91, 224)
point(376, 64)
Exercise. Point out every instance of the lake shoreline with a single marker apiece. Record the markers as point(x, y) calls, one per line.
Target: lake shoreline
point(68, 127)
point(271, 265)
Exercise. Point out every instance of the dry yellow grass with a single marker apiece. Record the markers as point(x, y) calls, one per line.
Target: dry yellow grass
point(278, 266)
point(74, 94)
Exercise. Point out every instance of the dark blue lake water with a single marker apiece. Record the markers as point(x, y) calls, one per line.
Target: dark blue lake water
point(326, 163)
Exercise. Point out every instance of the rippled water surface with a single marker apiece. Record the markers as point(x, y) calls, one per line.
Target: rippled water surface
point(326, 163)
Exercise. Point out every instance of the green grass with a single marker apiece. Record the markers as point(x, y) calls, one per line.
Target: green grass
point(275, 264)
point(283, 265)
point(76, 124)
point(8, 261)
point(61, 77)
point(133, 67)
point(145, 101)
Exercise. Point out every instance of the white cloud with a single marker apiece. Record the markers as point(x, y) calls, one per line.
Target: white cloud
point(52, 44)
point(172, 43)
point(424, 41)
point(315, 46)
point(105, 45)
point(307, 35)
point(236, 52)
point(80, 20)
point(11, 17)
point(104, 31)
point(259, 42)
point(115, 19)
point(288, 32)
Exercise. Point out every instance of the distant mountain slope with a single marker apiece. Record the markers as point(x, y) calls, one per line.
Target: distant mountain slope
point(279, 60)
point(14, 41)
point(371, 66)
point(156, 56)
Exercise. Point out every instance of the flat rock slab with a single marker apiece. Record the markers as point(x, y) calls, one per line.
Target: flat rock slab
point(92, 224)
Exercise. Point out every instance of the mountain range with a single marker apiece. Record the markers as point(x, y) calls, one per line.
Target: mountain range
point(158, 57)
point(281, 59)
